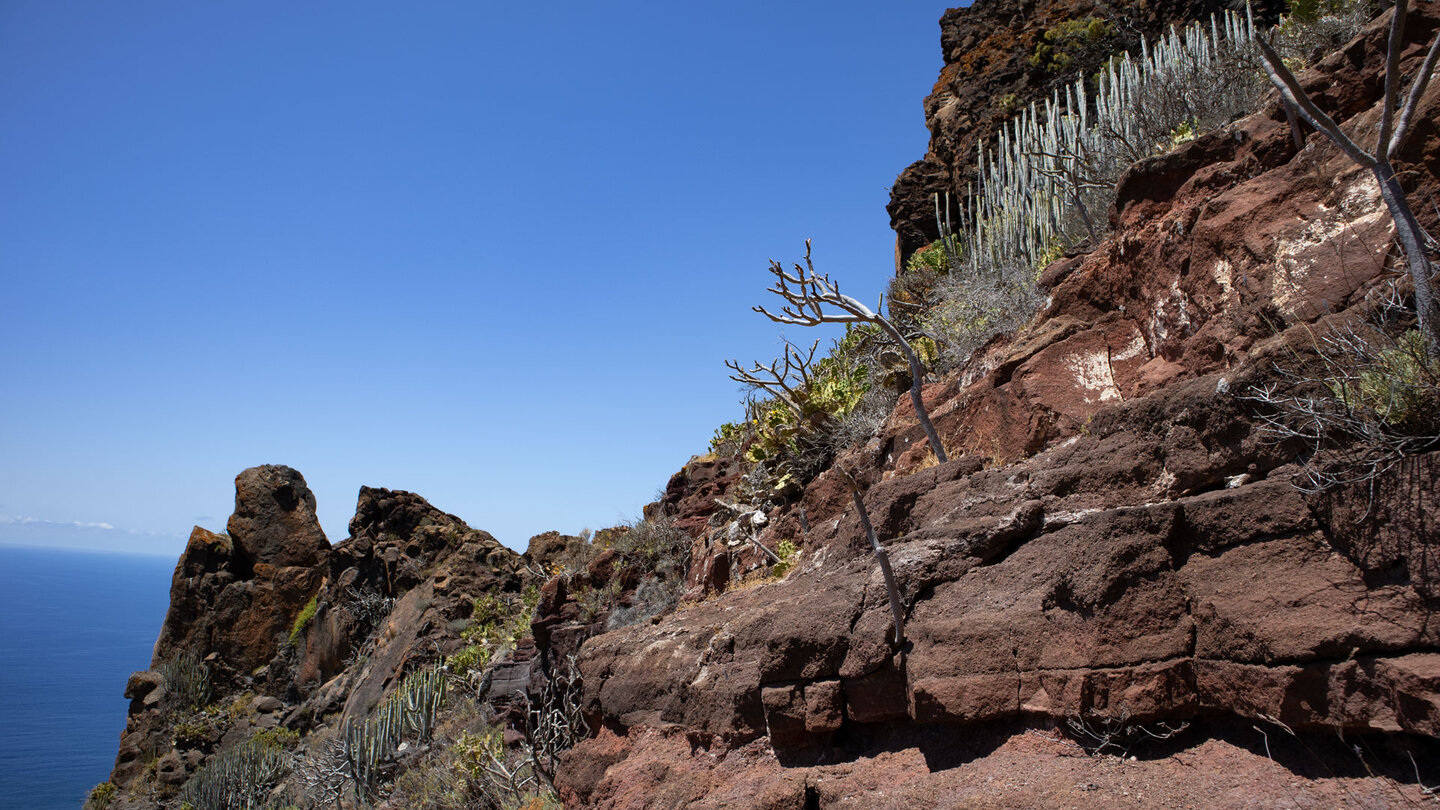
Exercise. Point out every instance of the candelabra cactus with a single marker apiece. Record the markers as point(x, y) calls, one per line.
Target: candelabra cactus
point(413, 707)
point(237, 779)
point(1053, 164)
point(187, 679)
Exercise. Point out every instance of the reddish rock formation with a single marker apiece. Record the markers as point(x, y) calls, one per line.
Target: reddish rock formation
point(1115, 544)
point(235, 595)
point(1114, 550)
point(387, 599)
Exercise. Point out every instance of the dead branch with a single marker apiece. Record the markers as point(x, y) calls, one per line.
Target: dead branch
point(813, 298)
point(1392, 134)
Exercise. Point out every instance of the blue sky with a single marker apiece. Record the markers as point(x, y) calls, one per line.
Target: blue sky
point(493, 253)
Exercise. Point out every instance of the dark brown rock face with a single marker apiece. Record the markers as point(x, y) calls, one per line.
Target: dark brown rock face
point(236, 595)
point(428, 565)
point(274, 521)
point(988, 74)
point(391, 597)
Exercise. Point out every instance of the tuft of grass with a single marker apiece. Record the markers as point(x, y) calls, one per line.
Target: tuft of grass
point(100, 796)
point(302, 619)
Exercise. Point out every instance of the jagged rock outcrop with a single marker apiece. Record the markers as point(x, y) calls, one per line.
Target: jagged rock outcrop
point(1114, 542)
point(234, 595)
point(1114, 546)
point(388, 599)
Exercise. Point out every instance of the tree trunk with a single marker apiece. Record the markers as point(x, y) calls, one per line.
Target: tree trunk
point(1412, 241)
point(917, 381)
point(884, 559)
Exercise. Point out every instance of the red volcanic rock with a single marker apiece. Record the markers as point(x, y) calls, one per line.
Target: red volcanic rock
point(1114, 540)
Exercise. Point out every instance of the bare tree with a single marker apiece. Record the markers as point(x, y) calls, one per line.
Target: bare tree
point(812, 299)
point(1393, 131)
point(786, 378)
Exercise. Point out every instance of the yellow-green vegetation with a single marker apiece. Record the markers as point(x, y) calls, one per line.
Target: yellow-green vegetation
point(1009, 103)
point(100, 796)
point(302, 619)
point(727, 439)
point(1311, 11)
point(1183, 133)
point(497, 623)
point(933, 257)
point(838, 381)
point(478, 756)
point(1073, 41)
point(1399, 386)
point(239, 706)
point(789, 555)
point(278, 738)
point(469, 659)
point(1053, 251)
point(191, 734)
point(473, 752)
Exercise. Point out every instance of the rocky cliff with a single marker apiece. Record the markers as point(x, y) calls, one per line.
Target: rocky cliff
point(1114, 594)
point(1117, 545)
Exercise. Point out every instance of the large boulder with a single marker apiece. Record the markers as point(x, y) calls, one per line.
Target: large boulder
point(274, 521)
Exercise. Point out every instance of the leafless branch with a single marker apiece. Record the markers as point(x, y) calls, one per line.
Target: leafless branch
point(1407, 229)
point(812, 299)
point(554, 720)
point(786, 378)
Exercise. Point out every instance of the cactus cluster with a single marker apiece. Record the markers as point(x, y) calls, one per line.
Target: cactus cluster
point(1049, 176)
point(1055, 164)
point(410, 710)
point(187, 680)
point(240, 778)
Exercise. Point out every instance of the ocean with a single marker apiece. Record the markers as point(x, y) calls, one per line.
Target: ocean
point(73, 626)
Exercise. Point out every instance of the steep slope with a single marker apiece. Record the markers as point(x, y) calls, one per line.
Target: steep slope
point(270, 627)
point(1117, 548)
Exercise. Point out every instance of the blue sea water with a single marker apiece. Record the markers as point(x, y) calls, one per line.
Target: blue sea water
point(73, 626)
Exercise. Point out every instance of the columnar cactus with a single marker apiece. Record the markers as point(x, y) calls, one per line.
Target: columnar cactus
point(412, 707)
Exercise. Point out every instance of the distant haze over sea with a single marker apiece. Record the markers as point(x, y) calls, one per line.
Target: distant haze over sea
point(25, 531)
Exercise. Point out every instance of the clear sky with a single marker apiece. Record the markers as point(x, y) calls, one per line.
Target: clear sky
point(492, 253)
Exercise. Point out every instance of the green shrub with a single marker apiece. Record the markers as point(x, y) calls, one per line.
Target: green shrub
point(470, 659)
point(100, 796)
point(1399, 385)
point(796, 447)
point(191, 735)
point(302, 619)
point(788, 553)
point(278, 737)
point(1074, 43)
point(727, 439)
